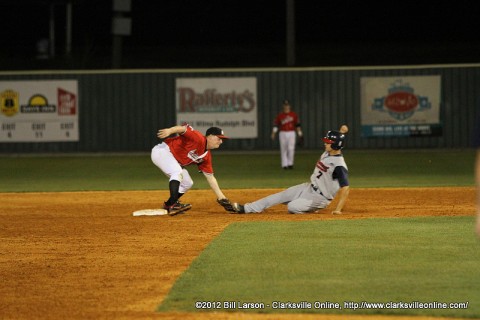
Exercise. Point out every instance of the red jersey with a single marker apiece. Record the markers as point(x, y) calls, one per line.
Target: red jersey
point(287, 121)
point(191, 147)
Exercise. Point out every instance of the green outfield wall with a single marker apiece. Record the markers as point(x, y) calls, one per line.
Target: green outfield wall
point(121, 110)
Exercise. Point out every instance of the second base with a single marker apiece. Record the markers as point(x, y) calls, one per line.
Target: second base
point(150, 212)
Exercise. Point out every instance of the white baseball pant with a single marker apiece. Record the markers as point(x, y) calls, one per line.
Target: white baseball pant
point(287, 147)
point(165, 161)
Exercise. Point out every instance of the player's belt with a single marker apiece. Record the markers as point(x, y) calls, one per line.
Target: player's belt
point(316, 189)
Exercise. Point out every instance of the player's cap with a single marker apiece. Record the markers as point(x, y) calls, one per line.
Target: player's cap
point(216, 132)
point(286, 102)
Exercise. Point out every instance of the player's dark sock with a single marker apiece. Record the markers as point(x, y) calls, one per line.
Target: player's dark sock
point(174, 194)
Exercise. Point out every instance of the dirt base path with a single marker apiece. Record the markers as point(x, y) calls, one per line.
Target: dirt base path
point(82, 255)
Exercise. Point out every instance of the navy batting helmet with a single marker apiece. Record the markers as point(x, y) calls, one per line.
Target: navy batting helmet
point(335, 138)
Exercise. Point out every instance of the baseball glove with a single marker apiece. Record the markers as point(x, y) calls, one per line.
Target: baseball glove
point(226, 204)
point(300, 141)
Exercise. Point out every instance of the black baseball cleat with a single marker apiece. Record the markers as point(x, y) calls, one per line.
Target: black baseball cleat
point(176, 208)
point(237, 208)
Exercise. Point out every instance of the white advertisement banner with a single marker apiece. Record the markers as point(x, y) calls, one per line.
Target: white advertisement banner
point(38, 111)
point(401, 106)
point(228, 103)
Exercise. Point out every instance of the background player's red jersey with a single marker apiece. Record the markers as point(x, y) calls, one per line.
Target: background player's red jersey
point(286, 121)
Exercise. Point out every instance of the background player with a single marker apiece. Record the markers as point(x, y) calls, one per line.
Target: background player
point(328, 180)
point(286, 123)
point(175, 153)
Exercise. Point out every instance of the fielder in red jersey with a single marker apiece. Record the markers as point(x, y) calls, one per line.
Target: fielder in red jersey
point(191, 147)
point(187, 147)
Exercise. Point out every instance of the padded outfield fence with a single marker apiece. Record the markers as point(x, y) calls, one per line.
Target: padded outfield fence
point(121, 110)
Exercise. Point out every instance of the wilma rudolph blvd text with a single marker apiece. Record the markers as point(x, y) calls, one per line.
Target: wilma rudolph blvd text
point(351, 305)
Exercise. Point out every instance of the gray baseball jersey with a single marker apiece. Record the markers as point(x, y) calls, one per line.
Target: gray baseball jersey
point(329, 175)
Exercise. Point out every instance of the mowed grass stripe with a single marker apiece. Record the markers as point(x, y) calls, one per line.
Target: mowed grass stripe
point(430, 259)
point(367, 168)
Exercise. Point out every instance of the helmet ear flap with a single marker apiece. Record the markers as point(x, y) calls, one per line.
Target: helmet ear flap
point(337, 138)
point(338, 145)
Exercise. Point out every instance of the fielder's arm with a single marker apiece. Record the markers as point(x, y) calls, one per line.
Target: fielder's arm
point(342, 199)
point(163, 133)
point(212, 181)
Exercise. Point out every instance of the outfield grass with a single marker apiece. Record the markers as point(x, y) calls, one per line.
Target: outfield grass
point(373, 260)
point(381, 168)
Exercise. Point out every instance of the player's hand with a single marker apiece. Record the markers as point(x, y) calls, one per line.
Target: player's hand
point(344, 129)
point(163, 133)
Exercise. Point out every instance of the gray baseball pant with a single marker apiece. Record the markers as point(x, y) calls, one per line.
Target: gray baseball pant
point(299, 199)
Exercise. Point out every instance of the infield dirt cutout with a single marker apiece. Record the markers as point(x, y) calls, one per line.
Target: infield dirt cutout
point(82, 255)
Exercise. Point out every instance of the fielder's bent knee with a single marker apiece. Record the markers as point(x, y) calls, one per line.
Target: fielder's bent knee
point(176, 176)
point(186, 185)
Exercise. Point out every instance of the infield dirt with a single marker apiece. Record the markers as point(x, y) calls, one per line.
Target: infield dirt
point(82, 255)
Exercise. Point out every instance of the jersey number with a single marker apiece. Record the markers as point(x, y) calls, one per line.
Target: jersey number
point(322, 168)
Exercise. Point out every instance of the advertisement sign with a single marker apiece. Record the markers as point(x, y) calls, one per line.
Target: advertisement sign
point(228, 103)
point(401, 106)
point(38, 111)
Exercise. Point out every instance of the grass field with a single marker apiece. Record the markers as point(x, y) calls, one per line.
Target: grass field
point(399, 260)
point(410, 168)
point(371, 260)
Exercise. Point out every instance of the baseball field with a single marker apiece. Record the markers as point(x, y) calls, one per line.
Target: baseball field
point(403, 249)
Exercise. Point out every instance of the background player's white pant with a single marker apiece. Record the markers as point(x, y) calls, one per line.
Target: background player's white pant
point(300, 199)
point(287, 147)
point(164, 159)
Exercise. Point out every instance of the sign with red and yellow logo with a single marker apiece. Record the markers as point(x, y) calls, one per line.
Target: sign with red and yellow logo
point(39, 111)
point(401, 106)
